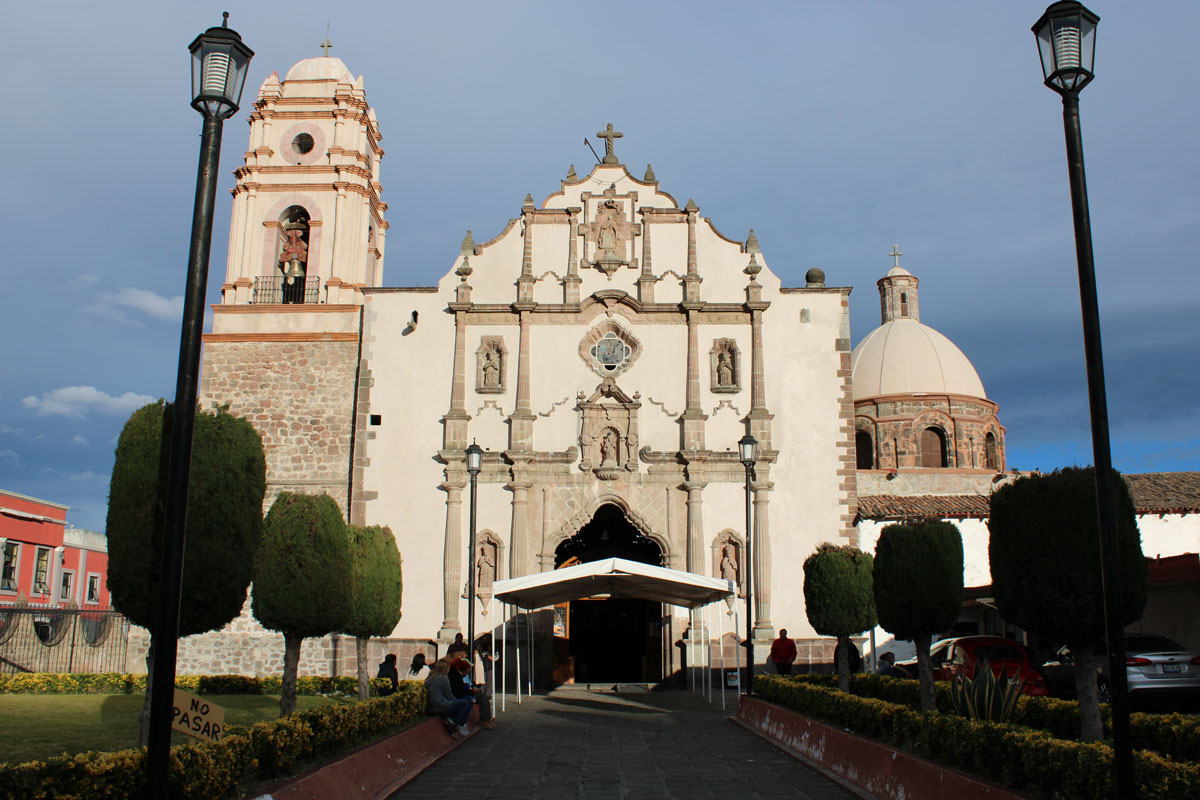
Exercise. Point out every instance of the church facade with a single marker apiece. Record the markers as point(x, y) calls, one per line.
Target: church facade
point(607, 347)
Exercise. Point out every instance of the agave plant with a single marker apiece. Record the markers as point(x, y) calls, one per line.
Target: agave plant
point(985, 696)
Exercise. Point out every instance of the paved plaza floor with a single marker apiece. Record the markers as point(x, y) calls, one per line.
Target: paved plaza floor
point(582, 743)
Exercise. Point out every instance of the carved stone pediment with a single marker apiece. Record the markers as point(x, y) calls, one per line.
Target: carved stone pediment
point(610, 233)
point(608, 438)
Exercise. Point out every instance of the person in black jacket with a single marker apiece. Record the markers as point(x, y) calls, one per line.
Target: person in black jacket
point(388, 673)
point(461, 686)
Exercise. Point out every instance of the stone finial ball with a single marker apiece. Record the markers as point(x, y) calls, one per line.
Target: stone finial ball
point(815, 277)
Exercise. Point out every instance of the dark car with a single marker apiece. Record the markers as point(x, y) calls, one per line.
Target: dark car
point(958, 656)
point(1156, 668)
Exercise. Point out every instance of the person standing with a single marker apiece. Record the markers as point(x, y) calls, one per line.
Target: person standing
point(388, 674)
point(783, 653)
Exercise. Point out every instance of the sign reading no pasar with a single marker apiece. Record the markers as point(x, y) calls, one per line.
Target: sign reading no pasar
point(197, 717)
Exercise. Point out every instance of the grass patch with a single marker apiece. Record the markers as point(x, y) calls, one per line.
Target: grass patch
point(37, 726)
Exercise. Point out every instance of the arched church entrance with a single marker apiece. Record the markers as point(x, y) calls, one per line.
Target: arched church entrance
point(608, 640)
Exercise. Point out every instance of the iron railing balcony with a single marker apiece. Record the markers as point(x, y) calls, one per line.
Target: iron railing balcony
point(275, 289)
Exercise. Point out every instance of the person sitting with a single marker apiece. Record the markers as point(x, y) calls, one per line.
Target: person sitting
point(418, 670)
point(455, 711)
point(887, 666)
point(389, 675)
point(460, 684)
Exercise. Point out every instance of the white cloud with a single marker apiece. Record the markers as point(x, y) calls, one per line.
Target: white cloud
point(77, 401)
point(87, 476)
point(10, 456)
point(114, 304)
point(83, 281)
point(8, 429)
point(80, 440)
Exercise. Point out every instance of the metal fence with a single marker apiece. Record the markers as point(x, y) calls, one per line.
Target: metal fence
point(62, 640)
point(276, 289)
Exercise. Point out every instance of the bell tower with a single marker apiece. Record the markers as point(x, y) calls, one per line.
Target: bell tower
point(307, 224)
point(898, 292)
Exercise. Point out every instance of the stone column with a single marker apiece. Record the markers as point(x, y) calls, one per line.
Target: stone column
point(572, 280)
point(693, 417)
point(520, 428)
point(695, 527)
point(691, 281)
point(762, 562)
point(518, 557)
point(452, 555)
point(646, 279)
point(760, 417)
point(339, 240)
point(454, 423)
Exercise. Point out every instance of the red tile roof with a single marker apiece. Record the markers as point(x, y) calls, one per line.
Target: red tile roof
point(1153, 493)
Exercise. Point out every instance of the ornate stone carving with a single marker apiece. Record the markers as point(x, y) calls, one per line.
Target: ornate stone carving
point(608, 438)
point(610, 233)
point(725, 366)
point(489, 555)
point(491, 368)
point(727, 551)
point(609, 349)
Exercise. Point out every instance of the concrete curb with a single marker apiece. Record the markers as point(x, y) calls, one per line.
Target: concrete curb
point(377, 771)
point(882, 771)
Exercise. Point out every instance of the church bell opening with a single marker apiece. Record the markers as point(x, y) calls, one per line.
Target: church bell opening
point(608, 640)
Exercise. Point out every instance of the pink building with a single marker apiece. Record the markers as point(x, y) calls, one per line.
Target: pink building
point(45, 562)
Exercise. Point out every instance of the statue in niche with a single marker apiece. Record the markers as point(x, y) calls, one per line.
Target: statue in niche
point(729, 565)
point(491, 369)
point(606, 238)
point(609, 446)
point(485, 569)
point(725, 368)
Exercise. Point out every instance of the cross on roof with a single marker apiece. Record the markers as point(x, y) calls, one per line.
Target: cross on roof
point(896, 253)
point(325, 45)
point(609, 135)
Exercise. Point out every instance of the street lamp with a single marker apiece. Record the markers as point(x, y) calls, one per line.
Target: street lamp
point(219, 64)
point(474, 454)
point(748, 453)
point(1066, 38)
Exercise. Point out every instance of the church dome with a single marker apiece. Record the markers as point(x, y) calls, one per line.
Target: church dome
point(320, 69)
point(905, 357)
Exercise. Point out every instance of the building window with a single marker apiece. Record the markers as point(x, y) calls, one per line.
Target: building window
point(864, 451)
point(41, 571)
point(68, 581)
point(904, 304)
point(93, 589)
point(933, 448)
point(293, 254)
point(991, 452)
point(8, 574)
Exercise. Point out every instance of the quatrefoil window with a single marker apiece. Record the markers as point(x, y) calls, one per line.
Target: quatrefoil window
point(610, 352)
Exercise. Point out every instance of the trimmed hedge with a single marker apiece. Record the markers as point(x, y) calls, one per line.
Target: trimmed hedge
point(114, 683)
point(1026, 759)
point(203, 770)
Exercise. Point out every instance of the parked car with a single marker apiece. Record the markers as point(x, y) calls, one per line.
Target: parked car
point(1156, 667)
point(958, 656)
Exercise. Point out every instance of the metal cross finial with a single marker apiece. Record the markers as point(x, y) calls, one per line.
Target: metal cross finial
point(896, 253)
point(325, 45)
point(609, 136)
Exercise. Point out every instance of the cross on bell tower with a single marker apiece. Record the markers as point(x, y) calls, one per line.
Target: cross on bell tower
point(609, 136)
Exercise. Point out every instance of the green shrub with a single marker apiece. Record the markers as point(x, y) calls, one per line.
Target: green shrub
point(209, 771)
point(983, 696)
point(113, 683)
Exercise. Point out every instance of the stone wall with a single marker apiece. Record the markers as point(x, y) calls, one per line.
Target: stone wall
point(895, 425)
point(299, 395)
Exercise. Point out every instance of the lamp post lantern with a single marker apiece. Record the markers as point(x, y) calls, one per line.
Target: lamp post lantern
point(1066, 38)
point(219, 65)
point(748, 454)
point(474, 456)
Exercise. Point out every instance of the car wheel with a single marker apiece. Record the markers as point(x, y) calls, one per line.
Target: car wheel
point(1104, 691)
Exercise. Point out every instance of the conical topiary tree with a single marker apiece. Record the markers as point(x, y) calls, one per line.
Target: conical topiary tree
point(1044, 552)
point(918, 580)
point(838, 598)
point(375, 588)
point(301, 577)
point(224, 521)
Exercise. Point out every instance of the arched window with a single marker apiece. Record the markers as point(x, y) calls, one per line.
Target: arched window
point(933, 448)
point(864, 451)
point(904, 304)
point(991, 452)
point(293, 255)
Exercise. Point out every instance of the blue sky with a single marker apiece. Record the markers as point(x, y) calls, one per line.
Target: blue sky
point(834, 130)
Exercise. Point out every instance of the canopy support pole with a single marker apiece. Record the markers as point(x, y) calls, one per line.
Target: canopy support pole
point(529, 628)
point(504, 657)
point(517, 637)
point(721, 640)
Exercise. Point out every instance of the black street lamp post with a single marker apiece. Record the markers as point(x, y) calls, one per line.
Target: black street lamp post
point(748, 451)
point(219, 65)
point(474, 455)
point(1066, 37)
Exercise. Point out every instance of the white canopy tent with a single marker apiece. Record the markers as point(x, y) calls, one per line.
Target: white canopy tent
point(611, 577)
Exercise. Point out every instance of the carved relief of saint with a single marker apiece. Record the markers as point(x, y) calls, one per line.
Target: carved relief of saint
point(724, 368)
point(606, 239)
point(491, 369)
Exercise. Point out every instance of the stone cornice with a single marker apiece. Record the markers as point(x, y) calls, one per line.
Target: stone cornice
point(844, 290)
point(289, 308)
point(283, 336)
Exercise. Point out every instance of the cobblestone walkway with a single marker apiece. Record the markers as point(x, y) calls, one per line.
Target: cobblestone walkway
point(576, 743)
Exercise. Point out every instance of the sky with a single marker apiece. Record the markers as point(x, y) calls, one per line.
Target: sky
point(835, 130)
